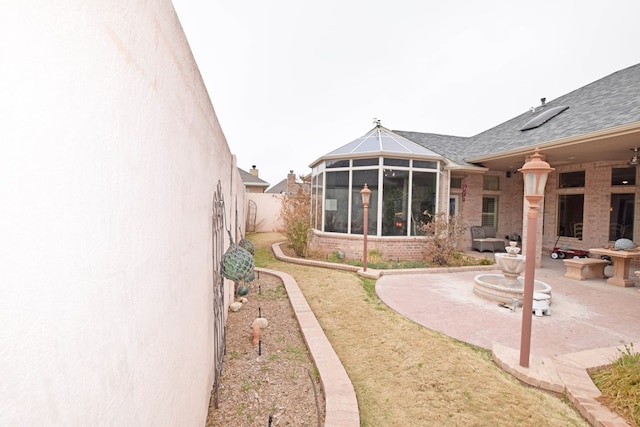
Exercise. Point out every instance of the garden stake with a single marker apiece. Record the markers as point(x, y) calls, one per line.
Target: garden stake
point(260, 348)
point(270, 419)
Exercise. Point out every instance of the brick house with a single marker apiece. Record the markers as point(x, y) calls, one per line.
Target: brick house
point(252, 181)
point(590, 136)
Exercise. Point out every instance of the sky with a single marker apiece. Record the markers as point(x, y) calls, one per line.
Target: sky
point(292, 80)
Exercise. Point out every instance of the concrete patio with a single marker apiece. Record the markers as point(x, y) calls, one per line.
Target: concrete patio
point(590, 323)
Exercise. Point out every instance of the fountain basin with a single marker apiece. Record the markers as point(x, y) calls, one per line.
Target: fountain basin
point(497, 287)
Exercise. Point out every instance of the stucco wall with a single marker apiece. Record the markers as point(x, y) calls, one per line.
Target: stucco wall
point(111, 152)
point(267, 217)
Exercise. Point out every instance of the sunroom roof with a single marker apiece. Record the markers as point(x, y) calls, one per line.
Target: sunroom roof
point(382, 141)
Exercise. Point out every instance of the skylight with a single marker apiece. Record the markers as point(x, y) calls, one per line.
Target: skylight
point(544, 117)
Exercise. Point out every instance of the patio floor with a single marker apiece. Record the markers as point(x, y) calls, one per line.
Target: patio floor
point(590, 322)
point(585, 314)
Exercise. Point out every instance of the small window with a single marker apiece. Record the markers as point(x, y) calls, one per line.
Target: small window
point(456, 182)
point(366, 162)
point(423, 164)
point(337, 164)
point(623, 176)
point(571, 179)
point(396, 162)
point(491, 182)
point(490, 211)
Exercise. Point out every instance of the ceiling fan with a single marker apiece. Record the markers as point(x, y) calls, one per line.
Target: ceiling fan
point(634, 160)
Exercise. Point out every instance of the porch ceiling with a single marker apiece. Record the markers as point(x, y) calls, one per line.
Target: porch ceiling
point(610, 145)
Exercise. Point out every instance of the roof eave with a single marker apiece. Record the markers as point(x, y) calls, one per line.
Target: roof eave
point(562, 142)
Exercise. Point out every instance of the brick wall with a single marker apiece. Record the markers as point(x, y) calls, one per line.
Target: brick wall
point(402, 248)
point(511, 214)
point(597, 199)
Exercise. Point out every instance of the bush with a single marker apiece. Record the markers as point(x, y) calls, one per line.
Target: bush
point(295, 215)
point(620, 385)
point(443, 236)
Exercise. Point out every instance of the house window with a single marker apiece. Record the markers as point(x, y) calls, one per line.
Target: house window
point(360, 178)
point(423, 200)
point(621, 212)
point(571, 179)
point(490, 211)
point(490, 182)
point(456, 182)
point(336, 202)
point(623, 176)
point(570, 214)
point(396, 202)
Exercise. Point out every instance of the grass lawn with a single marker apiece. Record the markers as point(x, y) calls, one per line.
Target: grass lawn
point(405, 374)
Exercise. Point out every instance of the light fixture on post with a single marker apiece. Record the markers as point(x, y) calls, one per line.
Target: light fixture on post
point(366, 196)
point(535, 173)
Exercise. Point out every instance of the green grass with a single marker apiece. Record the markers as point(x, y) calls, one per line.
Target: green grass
point(620, 385)
point(296, 353)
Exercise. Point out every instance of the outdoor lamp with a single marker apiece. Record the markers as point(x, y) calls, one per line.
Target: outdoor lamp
point(366, 195)
point(535, 173)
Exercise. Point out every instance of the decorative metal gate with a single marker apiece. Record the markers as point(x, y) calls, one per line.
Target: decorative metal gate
point(219, 332)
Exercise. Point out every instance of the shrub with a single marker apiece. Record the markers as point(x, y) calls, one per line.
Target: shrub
point(443, 235)
point(295, 215)
point(620, 385)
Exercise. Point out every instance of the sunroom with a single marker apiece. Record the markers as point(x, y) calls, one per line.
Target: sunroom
point(406, 183)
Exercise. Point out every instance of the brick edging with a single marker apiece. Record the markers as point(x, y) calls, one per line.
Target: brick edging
point(567, 373)
point(341, 404)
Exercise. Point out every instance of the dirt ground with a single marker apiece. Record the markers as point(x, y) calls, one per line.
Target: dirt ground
point(407, 375)
point(273, 383)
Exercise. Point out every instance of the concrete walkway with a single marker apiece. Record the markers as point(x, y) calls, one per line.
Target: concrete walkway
point(589, 325)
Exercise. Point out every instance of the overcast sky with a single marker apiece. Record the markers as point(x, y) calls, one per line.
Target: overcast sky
point(292, 80)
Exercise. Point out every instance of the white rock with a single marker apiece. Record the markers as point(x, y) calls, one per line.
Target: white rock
point(235, 306)
point(260, 322)
point(243, 300)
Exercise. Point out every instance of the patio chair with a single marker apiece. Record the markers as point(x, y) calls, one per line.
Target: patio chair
point(484, 239)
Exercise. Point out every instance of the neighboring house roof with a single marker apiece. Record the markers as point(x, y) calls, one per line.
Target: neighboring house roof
point(251, 180)
point(279, 188)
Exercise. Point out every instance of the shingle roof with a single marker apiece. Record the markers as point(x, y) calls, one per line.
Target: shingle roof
point(279, 188)
point(450, 147)
point(252, 180)
point(611, 101)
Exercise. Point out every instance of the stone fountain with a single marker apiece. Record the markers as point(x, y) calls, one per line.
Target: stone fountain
point(508, 287)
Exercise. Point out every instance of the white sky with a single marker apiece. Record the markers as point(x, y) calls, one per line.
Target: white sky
point(292, 80)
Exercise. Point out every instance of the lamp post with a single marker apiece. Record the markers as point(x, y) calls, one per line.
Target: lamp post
point(366, 195)
point(535, 173)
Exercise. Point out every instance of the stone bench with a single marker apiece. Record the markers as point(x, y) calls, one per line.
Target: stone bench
point(576, 266)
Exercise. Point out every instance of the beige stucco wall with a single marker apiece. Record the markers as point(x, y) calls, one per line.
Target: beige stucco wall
point(111, 152)
point(267, 213)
